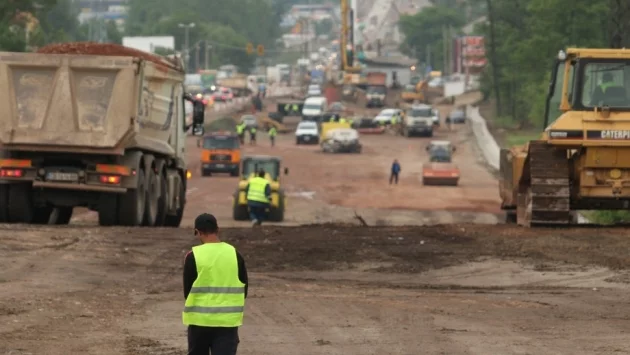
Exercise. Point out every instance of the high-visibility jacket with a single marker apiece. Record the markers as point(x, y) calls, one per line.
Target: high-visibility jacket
point(287, 107)
point(217, 297)
point(252, 130)
point(256, 190)
point(240, 128)
point(394, 119)
point(605, 86)
point(295, 108)
point(342, 120)
point(273, 132)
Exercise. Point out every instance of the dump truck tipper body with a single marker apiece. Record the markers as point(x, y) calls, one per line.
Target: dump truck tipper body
point(376, 89)
point(99, 131)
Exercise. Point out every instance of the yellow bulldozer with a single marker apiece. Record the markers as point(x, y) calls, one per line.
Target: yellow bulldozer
point(250, 165)
point(582, 160)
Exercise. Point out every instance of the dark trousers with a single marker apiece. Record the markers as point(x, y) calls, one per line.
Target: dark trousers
point(257, 213)
point(273, 141)
point(393, 178)
point(252, 138)
point(241, 138)
point(212, 340)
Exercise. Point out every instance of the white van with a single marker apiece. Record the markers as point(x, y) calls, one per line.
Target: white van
point(314, 106)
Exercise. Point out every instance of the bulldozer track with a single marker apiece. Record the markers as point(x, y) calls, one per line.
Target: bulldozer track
point(545, 196)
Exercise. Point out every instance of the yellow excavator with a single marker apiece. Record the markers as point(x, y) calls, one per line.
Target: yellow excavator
point(582, 160)
point(351, 73)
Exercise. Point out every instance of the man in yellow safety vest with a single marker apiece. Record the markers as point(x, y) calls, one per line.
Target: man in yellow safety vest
point(258, 198)
point(215, 288)
point(240, 131)
point(272, 135)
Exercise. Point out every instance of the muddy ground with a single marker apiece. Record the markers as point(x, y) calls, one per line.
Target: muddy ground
point(465, 289)
point(449, 282)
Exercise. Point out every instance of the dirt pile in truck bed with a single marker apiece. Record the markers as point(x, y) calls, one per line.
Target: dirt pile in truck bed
point(107, 49)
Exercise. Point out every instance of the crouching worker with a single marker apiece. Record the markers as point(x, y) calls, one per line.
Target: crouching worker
point(258, 198)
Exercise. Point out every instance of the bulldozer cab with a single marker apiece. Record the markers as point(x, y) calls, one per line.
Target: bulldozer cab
point(271, 165)
point(440, 154)
point(591, 80)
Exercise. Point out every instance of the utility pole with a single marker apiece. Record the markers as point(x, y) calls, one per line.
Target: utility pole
point(428, 60)
point(207, 56)
point(186, 50)
point(197, 57)
point(444, 49)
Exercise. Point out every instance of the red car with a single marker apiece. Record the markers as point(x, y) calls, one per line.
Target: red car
point(223, 94)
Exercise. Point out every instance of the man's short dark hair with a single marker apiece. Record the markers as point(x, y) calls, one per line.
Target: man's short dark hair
point(206, 224)
point(261, 173)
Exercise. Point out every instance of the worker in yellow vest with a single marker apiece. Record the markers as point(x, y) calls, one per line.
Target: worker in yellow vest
point(240, 131)
point(215, 288)
point(258, 198)
point(273, 132)
point(342, 120)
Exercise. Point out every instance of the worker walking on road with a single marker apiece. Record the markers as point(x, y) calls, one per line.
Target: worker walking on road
point(215, 288)
point(393, 177)
point(272, 135)
point(252, 136)
point(258, 198)
point(240, 131)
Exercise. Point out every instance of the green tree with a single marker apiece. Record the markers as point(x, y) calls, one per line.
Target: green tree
point(424, 32)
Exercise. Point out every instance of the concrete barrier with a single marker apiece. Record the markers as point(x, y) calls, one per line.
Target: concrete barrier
point(485, 141)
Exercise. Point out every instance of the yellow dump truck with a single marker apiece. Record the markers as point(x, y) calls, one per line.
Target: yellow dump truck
point(105, 132)
point(582, 159)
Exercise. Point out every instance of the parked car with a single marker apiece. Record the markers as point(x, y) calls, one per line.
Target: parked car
point(223, 94)
point(386, 115)
point(307, 133)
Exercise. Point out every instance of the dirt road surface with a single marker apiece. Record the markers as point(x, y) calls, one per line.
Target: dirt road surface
point(426, 288)
point(466, 289)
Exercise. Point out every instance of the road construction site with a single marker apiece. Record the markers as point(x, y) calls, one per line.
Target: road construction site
point(433, 273)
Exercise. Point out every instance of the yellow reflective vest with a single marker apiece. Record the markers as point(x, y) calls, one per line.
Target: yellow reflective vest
point(217, 297)
point(273, 132)
point(256, 190)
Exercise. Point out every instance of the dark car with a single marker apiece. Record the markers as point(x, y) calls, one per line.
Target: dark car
point(457, 116)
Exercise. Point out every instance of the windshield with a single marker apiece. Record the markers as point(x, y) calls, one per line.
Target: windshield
point(420, 112)
point(386, 113)
point(220, 142)
point(410, 88)
point(312, 107)
point(271, 167)
point(440, 155)
point(376, 90)
point(308, 125)
point(605, 84)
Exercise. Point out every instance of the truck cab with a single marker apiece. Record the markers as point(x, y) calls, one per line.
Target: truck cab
point(418, 121)
point(221, 153)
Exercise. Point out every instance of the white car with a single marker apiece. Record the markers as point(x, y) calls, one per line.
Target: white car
point(314, 90)
point(307, 133)
point(386, 115)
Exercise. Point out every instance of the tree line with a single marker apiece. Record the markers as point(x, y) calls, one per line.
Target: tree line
point(225, 26)
point(522, 39)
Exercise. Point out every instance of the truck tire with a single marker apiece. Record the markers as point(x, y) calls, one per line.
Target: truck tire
point(277, 214)
point(4, 203)
point(108, 210)
point(235, 172)
point(62, 215)
point(239, 212)
point(176, 220)
point(162, 202)
point(41, 215)
point(20, 203)
point(152, 202)
point(133, 202)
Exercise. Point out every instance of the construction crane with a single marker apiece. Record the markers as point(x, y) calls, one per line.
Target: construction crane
point(345, 31)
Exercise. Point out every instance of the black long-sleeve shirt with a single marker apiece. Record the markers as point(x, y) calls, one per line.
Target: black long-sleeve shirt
point(190, 272)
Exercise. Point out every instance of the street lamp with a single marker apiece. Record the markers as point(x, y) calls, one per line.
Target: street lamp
point(186, 28)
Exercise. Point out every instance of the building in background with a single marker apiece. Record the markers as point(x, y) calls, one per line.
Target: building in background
point(103, 10)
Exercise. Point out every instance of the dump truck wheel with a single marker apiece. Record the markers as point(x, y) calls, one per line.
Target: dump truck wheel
point(176, 220)
point(20, 203)
point(152, 204)
point(132, 204)
point(4, 202)
point(62, 215)
point(108, 210)
point(235, 172)
point(162, 201)
point(41, 215)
